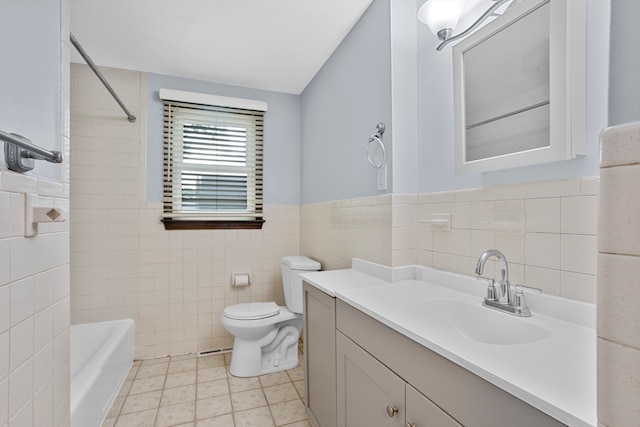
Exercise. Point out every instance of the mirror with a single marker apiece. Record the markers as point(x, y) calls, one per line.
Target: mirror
point(519, 88)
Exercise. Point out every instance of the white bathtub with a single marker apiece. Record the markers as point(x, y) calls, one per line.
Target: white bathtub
point(101, 356)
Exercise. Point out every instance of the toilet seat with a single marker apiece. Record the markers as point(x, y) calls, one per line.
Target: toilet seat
point(252, 311)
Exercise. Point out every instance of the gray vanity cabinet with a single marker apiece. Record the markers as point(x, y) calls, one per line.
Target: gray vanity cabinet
point(370, 394)
point(367, 389)
point(453, 394)
point(320, 356)
point(356, 367)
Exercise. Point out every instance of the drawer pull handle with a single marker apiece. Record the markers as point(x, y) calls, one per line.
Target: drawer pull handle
point(391, 410)
point(408, 424)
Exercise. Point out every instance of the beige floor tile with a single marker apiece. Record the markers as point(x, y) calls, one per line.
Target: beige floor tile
point(180, 379)
point(212, 389)
point(190, 391)
point(126, 387)
point(274, 379)
point(237, 384)
point(155, 360)
point(219, 421)
point(176, 414)
point(172, 396)
point(304, 423)
point(211, 361)
point(132, 373)
point(288, 412)
point(144, 385)
point(211, 374)
point(281, 393)
point(296, 374)
point(213, 406)
point(187, 356)
point(299, 385)
point(248, 400)
point(258, 417)
point(152, 370)
point(141, 402)
point(116, 406)
point(182, 365)
point(137, 419)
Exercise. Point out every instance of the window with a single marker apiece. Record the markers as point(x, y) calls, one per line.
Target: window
point(213, 150)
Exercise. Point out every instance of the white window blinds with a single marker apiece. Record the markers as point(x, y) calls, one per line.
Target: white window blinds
point(213, 158)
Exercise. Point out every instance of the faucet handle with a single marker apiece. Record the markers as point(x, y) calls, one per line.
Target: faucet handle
point(518, 298)
point(492, 294)
point(488, 279)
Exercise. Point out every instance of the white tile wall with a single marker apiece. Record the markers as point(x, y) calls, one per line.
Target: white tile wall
point(34, 285)
point(335, 232)
point(619, 277)
point(175, 284)
point(555, 250)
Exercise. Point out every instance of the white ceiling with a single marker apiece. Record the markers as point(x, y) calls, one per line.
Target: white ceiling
point(276, 45)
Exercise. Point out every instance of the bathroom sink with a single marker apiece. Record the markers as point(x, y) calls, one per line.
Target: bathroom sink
point(477, 323)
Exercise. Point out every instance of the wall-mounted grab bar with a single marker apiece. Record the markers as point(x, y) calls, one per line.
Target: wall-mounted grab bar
point(20, 153)
point(104, 81)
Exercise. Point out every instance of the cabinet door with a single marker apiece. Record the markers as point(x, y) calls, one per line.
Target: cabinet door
point(421, 412)
point(369, 393)
point(320, 353)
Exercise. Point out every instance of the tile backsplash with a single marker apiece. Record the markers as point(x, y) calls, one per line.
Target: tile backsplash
point(550, 242)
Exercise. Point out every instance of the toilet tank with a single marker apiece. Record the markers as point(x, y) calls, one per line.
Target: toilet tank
point(291, 267)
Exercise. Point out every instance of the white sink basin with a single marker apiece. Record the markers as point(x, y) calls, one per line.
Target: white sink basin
point(477, 323)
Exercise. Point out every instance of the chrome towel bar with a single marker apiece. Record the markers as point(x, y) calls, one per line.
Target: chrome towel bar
point(19, 152)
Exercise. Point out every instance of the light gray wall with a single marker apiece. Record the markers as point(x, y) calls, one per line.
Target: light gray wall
point(340, 109)
point(354, 90)
point(624, 71)
point(30, 76)
point(281, 136)
point(435, 115)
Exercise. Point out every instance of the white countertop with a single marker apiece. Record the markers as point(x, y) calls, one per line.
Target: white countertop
point(557, 374)
point(333, 281)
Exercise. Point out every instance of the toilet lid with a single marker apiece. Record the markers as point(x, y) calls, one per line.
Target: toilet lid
point(252, 310)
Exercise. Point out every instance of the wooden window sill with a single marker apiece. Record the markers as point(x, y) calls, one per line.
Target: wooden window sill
point(174, 224)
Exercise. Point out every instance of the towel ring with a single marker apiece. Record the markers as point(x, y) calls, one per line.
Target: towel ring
point(376, 159)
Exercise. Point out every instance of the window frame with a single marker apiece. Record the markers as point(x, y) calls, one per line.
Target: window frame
point(179, 219)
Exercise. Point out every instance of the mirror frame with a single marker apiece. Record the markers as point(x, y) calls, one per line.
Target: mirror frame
point(567, 75)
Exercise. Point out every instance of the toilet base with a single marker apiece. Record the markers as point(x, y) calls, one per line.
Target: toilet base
point(251, 358)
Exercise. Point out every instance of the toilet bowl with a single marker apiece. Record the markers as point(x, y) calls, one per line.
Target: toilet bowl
point(265, 334)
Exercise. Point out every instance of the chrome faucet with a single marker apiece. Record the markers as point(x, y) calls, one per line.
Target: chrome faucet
point(504, 296)
point(503, 300)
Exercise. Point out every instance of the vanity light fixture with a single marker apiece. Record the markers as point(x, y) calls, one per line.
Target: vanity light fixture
point(442, 17)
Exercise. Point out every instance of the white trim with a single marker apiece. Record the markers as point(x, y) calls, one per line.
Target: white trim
point(209, 99)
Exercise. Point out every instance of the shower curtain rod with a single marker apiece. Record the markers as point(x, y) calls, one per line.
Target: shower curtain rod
point(104, 81)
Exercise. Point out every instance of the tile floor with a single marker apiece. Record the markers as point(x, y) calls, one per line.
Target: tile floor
point(190, 391)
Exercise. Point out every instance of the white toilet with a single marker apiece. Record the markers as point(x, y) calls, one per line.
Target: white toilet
point(265, 334)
